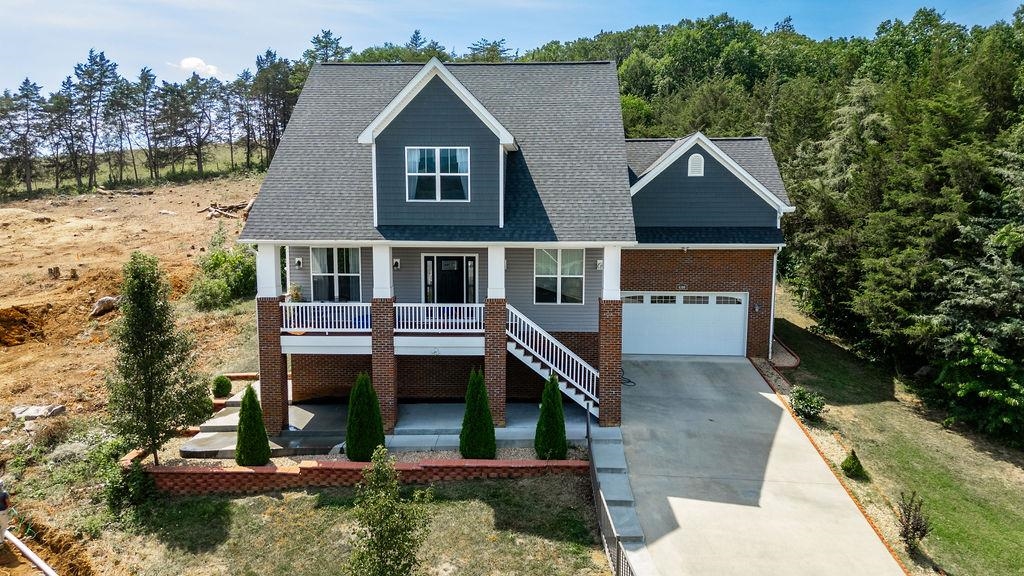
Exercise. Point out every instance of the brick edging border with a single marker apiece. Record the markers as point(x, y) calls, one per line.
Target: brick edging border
point(828, 464)
point(197, 480)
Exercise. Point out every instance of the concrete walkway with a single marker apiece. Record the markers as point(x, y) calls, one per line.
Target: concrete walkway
point(725, 482)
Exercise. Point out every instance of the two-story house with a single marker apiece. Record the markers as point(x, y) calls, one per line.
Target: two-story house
point(429, 219)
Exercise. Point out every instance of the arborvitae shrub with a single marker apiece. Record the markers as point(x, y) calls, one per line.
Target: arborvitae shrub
point(252, 447)
point(477, 437)
point(365, 428)
point(550, 442)
point(221, 387)
point(853, 468)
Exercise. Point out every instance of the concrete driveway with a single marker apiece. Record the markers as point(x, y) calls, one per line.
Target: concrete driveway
point(725, 482)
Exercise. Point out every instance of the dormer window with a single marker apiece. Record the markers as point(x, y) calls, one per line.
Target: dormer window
point(695, 165)
point(437, 174)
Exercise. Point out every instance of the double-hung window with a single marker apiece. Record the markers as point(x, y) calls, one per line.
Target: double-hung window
point(558, 276)
point(437, 174)
point(335, 273)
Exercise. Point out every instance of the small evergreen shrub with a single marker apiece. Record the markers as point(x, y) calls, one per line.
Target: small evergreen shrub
point(221, 386)
point(914, 525)
point(807, 404)
point(476, 440)
point(252, 448)
point(853, 468)
point(550, 442)
point(391, 528)
point(364, 430)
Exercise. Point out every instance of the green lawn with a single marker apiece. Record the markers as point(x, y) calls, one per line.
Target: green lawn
point(540, 526)
point(973, 488)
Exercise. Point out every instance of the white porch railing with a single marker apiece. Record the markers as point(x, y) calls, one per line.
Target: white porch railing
point(336, 317)
point(439, 318)
point(574, 370)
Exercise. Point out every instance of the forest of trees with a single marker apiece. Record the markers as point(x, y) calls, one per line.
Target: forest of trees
point(904, 154)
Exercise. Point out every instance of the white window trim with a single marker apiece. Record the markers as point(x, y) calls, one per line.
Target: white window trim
point(464, 255)
point(695, 165)
point(558, 277)
point(437, 172)
point(336, 275)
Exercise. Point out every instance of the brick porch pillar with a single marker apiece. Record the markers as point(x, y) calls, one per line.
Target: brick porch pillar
point(495, 352)
point(385, 370)
point(273, 365)
point(609, 388)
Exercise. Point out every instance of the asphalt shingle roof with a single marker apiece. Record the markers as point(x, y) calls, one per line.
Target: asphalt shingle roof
point(567, 182)
point(754, 154)
point(720, 235)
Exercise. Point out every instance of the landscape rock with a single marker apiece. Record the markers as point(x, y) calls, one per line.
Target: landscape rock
point(104, 305)
point(69, 452)
point(37, 411)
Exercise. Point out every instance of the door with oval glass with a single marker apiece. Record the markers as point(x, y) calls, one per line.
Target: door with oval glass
point(449, 279)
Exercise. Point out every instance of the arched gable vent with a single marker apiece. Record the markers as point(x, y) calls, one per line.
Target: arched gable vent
point(695, 165)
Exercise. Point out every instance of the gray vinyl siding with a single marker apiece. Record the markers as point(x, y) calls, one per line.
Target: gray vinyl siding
point(519, 291)
point(304, 279)
point(437, 117)
point(408, 281)
point(718, 198)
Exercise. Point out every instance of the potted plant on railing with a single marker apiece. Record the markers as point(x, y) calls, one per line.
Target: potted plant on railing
point(294, 293)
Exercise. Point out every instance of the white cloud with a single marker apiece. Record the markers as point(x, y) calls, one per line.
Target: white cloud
point(194, 64)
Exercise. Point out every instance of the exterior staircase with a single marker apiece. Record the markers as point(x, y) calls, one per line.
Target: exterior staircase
point(546, 355)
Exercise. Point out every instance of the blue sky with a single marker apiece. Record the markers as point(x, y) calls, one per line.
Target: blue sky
point(43, 39)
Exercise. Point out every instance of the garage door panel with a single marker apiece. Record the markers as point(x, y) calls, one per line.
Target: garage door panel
point(686, 323)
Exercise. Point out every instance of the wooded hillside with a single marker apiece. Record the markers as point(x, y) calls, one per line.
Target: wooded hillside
point(904, 154)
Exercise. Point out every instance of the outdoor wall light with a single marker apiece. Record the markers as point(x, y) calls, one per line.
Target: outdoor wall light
point(600, 264)
point(298, 263)
point(396, 264)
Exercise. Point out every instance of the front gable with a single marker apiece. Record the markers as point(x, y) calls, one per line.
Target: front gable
point(437, 117)
point(718, 198)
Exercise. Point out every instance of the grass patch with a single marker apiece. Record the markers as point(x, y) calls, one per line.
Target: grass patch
point(537, 526)
point(973, 488)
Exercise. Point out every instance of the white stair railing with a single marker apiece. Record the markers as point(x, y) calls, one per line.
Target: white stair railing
point(330, 317)
point(543, 346)
point(439, 318)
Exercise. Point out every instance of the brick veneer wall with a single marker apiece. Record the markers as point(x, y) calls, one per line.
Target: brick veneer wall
point(194, 480)
point(326, 375)
point(382, 322)
point(584, 344)
point(609, 386)
point(435, 377)
point(273, 365)
point(709, 271)
point(495, 352)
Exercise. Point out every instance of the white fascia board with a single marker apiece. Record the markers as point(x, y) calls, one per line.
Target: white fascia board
point(431, 69)
point(661, 164)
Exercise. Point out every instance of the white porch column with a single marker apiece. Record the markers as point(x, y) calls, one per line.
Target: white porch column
point(382, 284)
point(495, 271)
point(268, 271)
point(611, 279)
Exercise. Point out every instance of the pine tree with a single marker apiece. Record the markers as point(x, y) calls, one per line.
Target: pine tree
point(154, 389)
point(252, 448)
point(476, 440)
point(550, 442)
point(365, 428)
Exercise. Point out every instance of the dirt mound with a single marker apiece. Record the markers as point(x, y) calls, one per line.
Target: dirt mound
point(19, 324)
point(61, 550)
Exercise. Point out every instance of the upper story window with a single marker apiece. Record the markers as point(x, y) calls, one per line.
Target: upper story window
point(558, 276)
point(335, 273)
point(437, 174)
point(695, 165)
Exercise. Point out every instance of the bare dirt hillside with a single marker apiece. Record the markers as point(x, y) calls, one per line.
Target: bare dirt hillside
point(51, 351)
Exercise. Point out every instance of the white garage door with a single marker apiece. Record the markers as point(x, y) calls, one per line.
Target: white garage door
point(697, 323)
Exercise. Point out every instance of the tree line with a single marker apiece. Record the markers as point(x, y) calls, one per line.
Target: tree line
point(102, 128)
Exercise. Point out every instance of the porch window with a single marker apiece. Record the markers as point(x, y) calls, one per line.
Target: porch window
point(437, 174)
point(558, 276)
point(335, 274)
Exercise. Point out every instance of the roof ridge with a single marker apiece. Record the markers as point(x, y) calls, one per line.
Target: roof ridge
point(737, 138)
point(665, 139)
point(421, 64)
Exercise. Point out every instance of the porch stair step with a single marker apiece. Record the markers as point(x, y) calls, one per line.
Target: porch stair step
point(544, 371)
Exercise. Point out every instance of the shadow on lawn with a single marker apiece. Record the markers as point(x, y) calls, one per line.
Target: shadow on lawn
point(838, 374)
point(192, 524)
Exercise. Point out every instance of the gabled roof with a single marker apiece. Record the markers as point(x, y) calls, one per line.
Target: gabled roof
point(566, 182)
point(434, 68)
point(750, 159)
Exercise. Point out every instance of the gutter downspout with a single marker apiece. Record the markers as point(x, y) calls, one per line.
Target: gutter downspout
point(771, 326)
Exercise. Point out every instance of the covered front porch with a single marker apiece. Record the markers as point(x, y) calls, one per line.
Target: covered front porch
point(419, 318)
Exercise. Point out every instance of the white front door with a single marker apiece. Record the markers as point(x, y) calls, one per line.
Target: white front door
point(685, 323)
